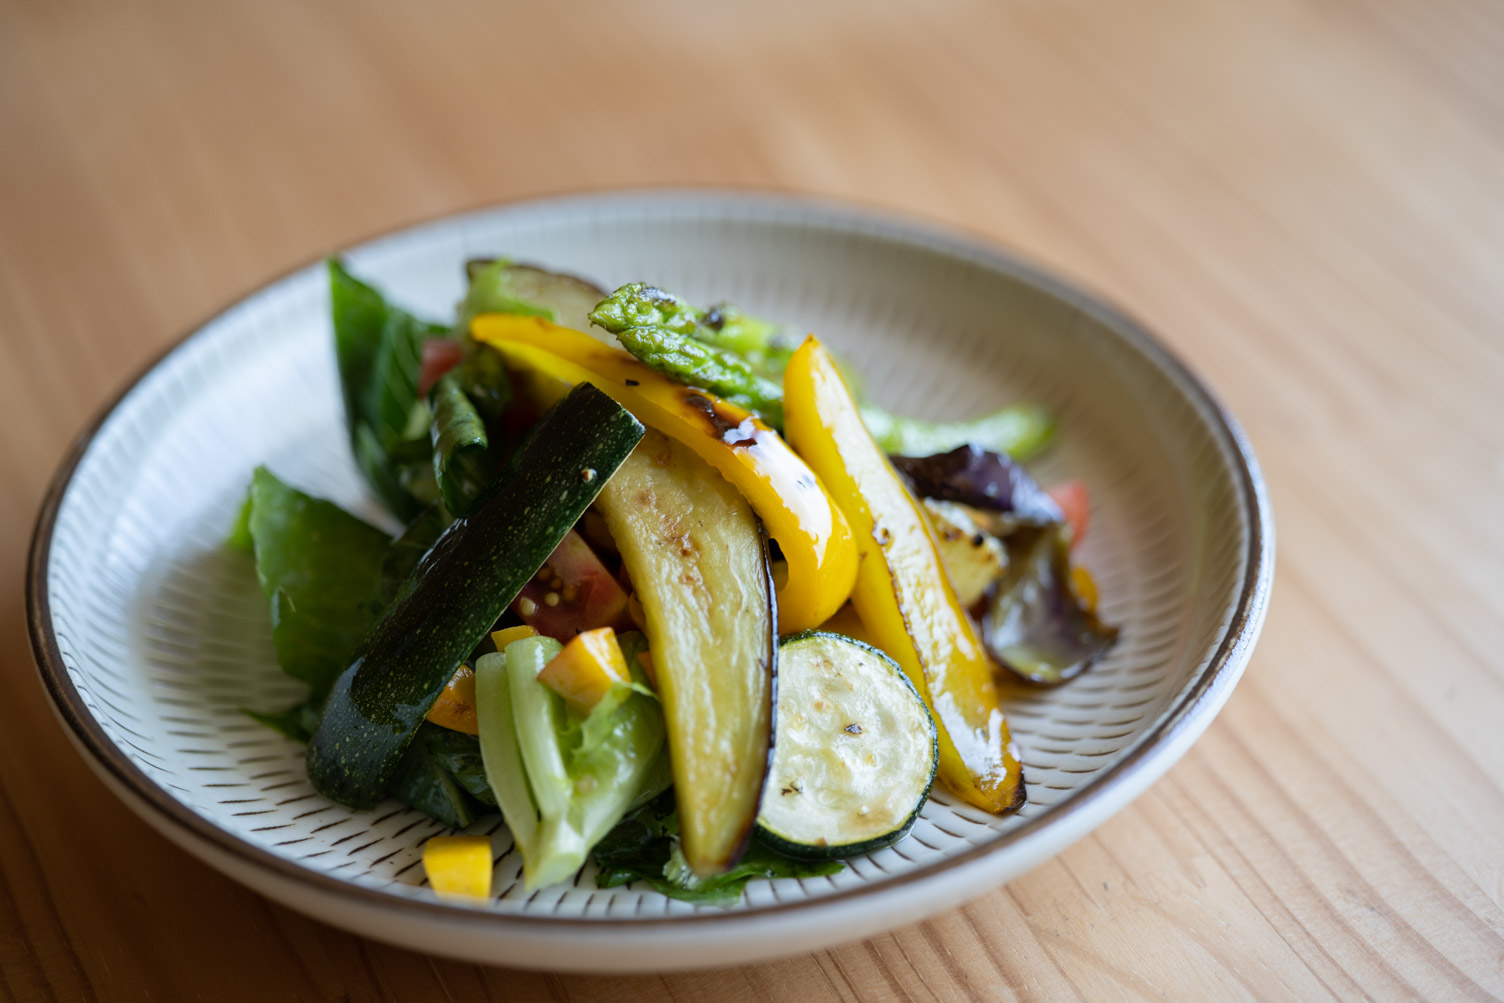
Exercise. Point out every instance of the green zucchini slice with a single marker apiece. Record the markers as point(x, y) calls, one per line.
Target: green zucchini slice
point(854, 755)
point(459, 588)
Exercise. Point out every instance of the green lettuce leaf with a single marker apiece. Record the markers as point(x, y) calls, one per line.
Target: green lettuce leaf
point(459, 755)
point(422, 782)
point(462, 460)
point(379, 349)
point(329, 576)
point(319, 567)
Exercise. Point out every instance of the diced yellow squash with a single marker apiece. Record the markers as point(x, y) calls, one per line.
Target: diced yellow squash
point(584, 672)
point(459, 867)
point(455, 707)
point(973, 557)
point(502, 638)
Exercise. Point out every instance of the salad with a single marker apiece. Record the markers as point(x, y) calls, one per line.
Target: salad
point(668, 595)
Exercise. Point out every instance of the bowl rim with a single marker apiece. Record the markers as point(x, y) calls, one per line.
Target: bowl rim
point(1202, 700)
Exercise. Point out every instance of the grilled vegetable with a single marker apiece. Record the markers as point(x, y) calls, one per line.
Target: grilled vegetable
point(760, 345)
point(460, 587)
point(855, 753)
point(698, 560)
point(500, 286)
point(901, 593)
point(1038, 625)
point(741, 359)
point(694, 364)
point(973, 557)
point(1020, 431)
point(780, 487)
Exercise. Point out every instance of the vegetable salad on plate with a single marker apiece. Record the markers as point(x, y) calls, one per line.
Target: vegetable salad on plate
point(669, 595)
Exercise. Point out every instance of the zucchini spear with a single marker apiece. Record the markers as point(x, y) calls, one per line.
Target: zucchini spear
point(458, 590)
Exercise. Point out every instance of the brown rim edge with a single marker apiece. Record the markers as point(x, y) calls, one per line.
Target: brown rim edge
point(1213, 683)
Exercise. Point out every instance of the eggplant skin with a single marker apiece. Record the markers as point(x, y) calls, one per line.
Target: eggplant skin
point(698, 560)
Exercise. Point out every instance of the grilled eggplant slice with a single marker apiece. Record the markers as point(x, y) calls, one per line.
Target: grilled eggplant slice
point(699, 562)
point(499, 286)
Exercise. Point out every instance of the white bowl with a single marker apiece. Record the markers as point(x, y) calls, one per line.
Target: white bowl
point(151, 636)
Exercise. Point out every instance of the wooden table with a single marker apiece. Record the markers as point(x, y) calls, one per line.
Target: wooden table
point(1304, 197)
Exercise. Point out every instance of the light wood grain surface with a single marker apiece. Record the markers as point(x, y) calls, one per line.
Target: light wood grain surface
point(1303, 197)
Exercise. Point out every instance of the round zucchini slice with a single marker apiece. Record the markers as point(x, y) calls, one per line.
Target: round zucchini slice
point(855, 750)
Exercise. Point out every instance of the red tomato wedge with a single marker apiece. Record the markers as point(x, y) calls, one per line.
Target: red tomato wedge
point(1073, 500)
point(572, 593)
point(439, 356)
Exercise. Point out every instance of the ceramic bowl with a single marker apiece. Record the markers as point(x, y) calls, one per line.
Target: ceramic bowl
point(151, 635)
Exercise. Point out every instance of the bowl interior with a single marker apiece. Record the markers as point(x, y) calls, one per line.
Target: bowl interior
point(165, 635)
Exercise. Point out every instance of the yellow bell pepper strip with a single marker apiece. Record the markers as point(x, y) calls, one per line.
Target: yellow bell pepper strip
point(584, 672)
point(455, 707)
point(459, 867)
point(785, 494)
point(902, 594)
